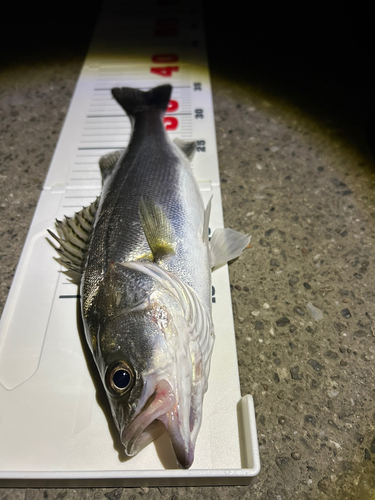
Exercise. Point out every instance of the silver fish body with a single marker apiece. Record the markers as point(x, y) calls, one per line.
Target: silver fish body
point(153, 169)
point(137, 306)
point(146, 281)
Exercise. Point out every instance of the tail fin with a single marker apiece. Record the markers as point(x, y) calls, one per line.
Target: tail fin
point(135, 101)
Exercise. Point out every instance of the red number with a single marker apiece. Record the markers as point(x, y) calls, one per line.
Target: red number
point(172, 106)
point(166, 27)
point(165, 71)
point(170, 122)
point(165, 58)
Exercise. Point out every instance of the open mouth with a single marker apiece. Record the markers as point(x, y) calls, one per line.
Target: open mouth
point(140, 432)
point(145, 427)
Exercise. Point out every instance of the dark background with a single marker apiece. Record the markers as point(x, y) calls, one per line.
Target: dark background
point(320, 57)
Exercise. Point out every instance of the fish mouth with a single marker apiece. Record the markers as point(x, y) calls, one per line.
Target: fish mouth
point(144, 428)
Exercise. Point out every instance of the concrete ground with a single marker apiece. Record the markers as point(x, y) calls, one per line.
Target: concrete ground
point(294, 122)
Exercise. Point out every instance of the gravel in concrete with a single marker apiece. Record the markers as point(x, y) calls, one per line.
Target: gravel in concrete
point(293, 110)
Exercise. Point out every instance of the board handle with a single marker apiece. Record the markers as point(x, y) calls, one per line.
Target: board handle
point(248, 435)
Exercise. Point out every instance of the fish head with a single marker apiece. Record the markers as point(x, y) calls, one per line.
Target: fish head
point(143, 353)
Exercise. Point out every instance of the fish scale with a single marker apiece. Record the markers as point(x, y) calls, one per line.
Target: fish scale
point(44, 350)
point(147, 281)
point(156, 175)
point(151, 169)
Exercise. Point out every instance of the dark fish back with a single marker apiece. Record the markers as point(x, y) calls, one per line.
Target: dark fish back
point(148, 170)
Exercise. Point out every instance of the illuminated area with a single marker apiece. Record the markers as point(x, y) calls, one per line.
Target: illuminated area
point(294, 140)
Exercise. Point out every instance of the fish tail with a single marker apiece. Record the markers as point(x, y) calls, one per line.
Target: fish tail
point(135, 101)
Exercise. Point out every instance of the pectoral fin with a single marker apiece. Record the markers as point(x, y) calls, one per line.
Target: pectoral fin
point(157, 228)
point(226, 245)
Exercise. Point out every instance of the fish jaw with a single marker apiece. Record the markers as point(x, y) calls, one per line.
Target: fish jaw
point(161, 405)
point(181, 439)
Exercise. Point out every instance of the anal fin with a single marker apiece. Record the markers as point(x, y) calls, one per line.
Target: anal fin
point(206, 221)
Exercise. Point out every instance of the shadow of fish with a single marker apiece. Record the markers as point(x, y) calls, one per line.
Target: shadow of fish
point(145, 261)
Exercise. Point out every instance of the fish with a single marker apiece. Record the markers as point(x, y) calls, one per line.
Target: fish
point(144, 257)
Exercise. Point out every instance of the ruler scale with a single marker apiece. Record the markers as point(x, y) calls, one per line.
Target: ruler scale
point(53, 427)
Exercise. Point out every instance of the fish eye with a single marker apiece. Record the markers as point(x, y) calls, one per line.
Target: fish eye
point(119, 378)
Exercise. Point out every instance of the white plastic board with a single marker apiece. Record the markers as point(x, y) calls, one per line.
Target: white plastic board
point(54, 424)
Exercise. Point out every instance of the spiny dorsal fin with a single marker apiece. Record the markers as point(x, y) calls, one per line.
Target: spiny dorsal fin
point(227, 244)
point(74, 237)
point(157, 228)
point(188, 148)
point(108, 162)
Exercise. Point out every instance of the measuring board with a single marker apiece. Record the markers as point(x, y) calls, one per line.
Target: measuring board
point(55, 428)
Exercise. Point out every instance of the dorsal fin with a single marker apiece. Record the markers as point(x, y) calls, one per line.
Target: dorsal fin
point(187, 147)
point(107, 163)
point(74, 237)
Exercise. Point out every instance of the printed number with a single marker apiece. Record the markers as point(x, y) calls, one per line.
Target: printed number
point(165, 58)
point(166, 27)
point(172, 106)
point(201, 146)
point(197, 86)
point(170, 122)
point(199, 113)
point(165, 71)
point(213, 294)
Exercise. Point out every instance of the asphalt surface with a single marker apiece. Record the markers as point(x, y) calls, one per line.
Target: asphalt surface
point(295, 132)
